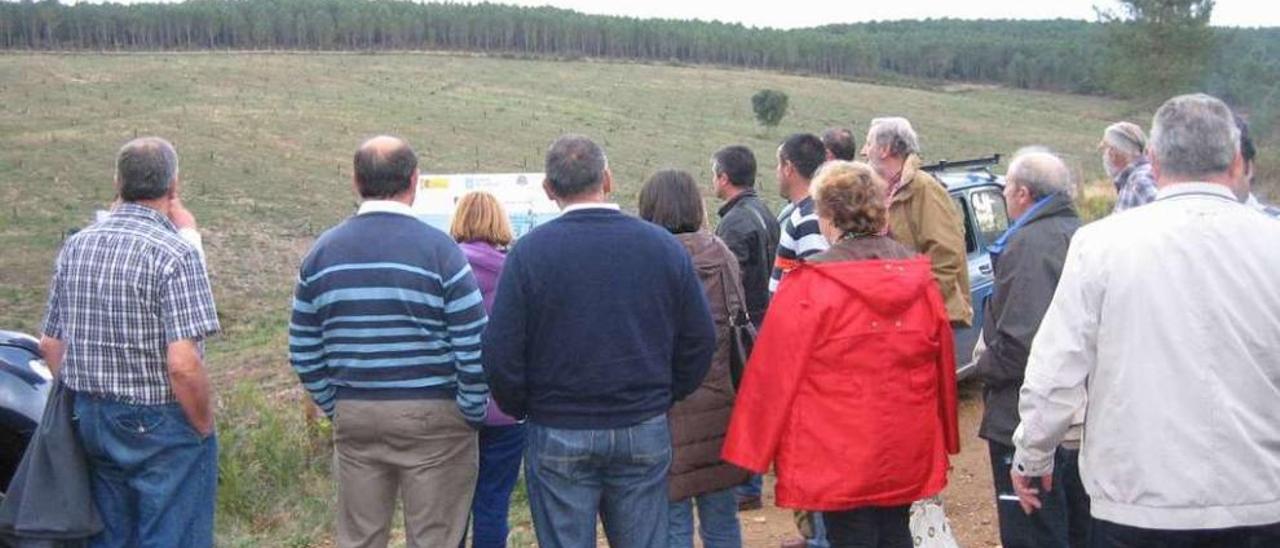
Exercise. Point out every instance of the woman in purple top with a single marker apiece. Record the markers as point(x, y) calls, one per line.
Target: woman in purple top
point(483, 231)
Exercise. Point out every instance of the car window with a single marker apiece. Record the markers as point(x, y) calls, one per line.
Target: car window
point(989, 214)
point(970, 243)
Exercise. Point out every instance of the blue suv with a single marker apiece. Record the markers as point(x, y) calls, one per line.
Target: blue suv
point(979, 195)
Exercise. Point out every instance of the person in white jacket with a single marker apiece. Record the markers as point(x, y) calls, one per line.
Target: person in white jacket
point(1168, 318)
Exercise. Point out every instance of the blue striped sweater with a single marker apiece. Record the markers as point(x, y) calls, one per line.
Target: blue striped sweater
point(386, 308)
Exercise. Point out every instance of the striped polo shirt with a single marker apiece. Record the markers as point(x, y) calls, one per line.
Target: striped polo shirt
point(800, 239)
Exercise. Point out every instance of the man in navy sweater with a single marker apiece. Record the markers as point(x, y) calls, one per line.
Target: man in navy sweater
point(385, 336)
point(599, 325)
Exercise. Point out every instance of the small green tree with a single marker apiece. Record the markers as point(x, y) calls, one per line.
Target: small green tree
point(770, 106)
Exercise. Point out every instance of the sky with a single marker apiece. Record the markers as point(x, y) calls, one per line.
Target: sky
point(809, 13)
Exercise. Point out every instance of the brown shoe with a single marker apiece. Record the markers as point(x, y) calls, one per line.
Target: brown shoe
point(746, 504)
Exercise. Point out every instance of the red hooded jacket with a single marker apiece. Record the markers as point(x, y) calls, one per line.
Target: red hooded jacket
point(851, 388)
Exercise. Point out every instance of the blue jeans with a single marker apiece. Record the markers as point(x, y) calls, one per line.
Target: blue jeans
point(751, 488)
point(154, 479)
point(717, 521)
point(500, 452)
point(1062, 522)
point(617, 474)
point(819, 539)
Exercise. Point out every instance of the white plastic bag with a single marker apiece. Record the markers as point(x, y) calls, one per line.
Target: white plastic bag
point(929, 525)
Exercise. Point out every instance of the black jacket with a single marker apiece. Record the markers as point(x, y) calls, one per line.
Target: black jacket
point(751, 232)
point(50, 502)
point(1027, 274)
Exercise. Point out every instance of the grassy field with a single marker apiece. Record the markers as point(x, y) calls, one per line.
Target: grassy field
point(266, 143)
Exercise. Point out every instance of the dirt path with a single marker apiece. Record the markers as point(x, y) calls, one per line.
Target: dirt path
point(969, 500)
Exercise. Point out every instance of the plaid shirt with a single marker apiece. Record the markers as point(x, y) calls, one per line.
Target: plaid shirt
point(122, 290)
point(1135, 186)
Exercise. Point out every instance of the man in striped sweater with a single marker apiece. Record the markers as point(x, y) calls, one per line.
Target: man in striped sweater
point(799, 158)
point(385, 336)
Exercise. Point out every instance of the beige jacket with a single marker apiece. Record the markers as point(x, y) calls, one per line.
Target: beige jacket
point(923, 217)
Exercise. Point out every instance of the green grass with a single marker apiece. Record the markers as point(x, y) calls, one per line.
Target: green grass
point(273, 482)
point(266, 143)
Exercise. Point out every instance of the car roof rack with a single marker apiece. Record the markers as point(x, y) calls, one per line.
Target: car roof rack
point(976, 164)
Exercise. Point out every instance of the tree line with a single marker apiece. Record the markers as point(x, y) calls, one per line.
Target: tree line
point(1243, 65)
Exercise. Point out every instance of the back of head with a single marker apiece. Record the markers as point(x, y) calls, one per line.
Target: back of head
point(575, 165)
point(1194, 137)
point(851, 195)
point(670, 199)
point(805, 152)
point(146, 169)
point(480, 217)
point(840, 143)
point(894, 134)
point(384, 167)
point(1126, 138)
point(1041, 172)
point(738, 163)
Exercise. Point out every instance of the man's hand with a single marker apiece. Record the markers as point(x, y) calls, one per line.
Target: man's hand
point(1028, 495)
point(180, 215)
point(52, 351)
point(191, 385)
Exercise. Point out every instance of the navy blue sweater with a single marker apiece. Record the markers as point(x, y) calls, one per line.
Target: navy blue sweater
point(387, 308)
point(599, 322)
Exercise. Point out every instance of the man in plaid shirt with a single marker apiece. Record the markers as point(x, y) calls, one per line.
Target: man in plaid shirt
point(1124, 157)
point(129, 307)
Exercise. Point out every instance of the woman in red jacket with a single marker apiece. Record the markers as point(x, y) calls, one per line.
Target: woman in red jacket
point(851, 387)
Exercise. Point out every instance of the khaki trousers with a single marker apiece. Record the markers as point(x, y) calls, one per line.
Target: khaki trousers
point(420, 451)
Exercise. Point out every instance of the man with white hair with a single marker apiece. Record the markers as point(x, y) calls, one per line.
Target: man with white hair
point(1124, 158)
point(1171, 315)
point(1028, 262)
point(921, 213)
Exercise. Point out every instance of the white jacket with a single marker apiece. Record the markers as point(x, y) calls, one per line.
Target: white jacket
point(1168, 317)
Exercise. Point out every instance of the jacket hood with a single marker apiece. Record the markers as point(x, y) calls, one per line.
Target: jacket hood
point(707, 253)
point(888, 286)
point(482, 256)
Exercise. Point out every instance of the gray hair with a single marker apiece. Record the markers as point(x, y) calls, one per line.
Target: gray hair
point(1194, 137)
point(575, 165)
point(1041, 172)
point(896, 134)
point(146, 169)
point(1125, 137)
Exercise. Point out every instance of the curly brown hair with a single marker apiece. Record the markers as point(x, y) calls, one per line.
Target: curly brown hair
point(851, 196)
